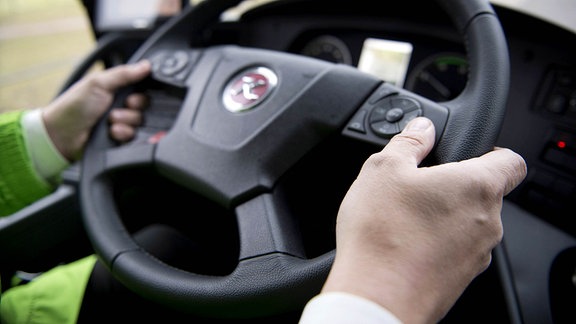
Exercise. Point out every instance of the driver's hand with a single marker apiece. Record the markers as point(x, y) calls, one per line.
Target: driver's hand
point(412, 239)
point(70, 117)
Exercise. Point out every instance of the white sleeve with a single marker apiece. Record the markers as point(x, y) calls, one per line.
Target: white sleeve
point(46, 158)
point(340, 308)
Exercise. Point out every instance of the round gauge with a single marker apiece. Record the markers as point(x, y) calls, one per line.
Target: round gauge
point(328, 48)
point(440, 77)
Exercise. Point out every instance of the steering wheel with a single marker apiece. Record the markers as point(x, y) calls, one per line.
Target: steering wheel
point(248, 117)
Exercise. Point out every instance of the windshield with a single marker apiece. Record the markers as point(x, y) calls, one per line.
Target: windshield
point(559, 12)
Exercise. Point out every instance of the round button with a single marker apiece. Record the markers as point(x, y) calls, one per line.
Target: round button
point(395, 114)
point(390, 115)
point(174, 63)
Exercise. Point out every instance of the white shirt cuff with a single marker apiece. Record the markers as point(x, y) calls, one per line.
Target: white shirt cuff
point(46, 158)
point(340, 308)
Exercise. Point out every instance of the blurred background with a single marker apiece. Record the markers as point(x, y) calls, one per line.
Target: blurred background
point(41, 41)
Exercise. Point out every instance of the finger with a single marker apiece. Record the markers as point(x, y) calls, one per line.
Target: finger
point(506, 168)
point(122, 132)
point(511, 166)
point(413, 144)
point(137, 101)
point(125, 116)
point(123, 75)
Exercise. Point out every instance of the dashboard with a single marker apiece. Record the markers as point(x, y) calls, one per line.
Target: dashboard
point(438, 75)
point(422, 52)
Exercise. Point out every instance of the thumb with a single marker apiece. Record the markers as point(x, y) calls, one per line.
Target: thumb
point(413, 144)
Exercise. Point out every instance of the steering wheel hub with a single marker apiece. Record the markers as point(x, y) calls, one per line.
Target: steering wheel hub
point(249, 88)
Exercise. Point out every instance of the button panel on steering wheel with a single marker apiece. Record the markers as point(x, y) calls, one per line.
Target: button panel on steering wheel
point(172, 66)
point(391, 115)
point(388, 110)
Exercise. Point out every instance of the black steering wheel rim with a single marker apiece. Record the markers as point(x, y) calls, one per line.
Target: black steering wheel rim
point(273, 274)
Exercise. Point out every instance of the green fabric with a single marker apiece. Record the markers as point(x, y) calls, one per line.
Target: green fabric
point(20, 185)
point(54, 297)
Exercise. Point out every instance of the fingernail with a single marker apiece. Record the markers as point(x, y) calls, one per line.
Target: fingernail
point(419, 124)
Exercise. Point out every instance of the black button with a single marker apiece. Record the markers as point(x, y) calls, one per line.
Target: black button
point(357, 123)
point(395, 114)
point(408, 117)
point(385, 129)
point(557, 104)
point(379, 112)
point(405, 104)
point(174, 63)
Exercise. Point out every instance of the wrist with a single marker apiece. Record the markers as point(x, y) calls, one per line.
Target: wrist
point(339, 307)
point(394, 289)
point(46, 158)
point(66, 129)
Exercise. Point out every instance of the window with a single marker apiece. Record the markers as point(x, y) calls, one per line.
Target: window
point(41, 41)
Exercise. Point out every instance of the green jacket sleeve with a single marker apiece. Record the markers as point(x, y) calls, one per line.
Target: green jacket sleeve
point(20, 185)
point(55, 297)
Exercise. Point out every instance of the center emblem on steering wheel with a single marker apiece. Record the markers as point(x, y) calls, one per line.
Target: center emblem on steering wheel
point(249, 88)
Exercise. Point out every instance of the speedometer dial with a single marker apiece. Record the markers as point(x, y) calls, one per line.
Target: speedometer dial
point(440, 77)
point(328, 48)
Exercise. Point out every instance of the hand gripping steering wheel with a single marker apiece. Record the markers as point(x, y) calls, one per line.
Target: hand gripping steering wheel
point(248, 117)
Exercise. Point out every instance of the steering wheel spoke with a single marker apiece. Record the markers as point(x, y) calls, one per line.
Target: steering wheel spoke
point(129, 156)
point(265, 229)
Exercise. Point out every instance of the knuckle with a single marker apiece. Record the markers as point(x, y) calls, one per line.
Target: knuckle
point(409, 139)
point(382, 160)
